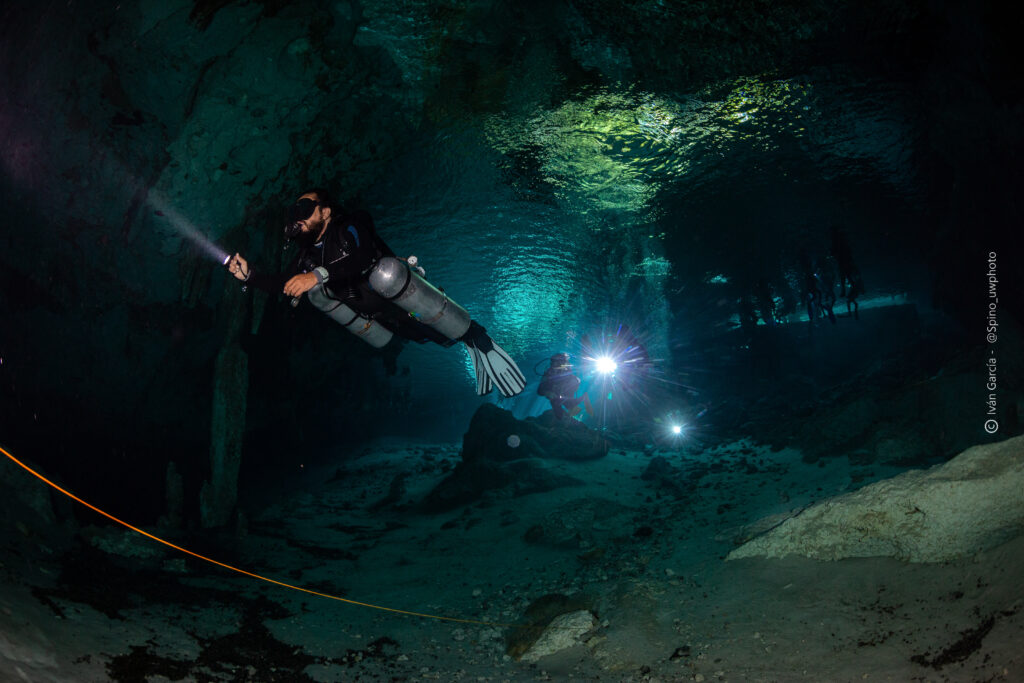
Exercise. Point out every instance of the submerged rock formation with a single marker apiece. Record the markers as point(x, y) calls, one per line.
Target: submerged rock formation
point(969, 504)
point(551, 623)
point(219, 495)
point(500, 451)
point(563, 632)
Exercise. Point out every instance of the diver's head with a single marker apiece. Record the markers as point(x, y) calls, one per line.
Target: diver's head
point(308, 217)
point(559, 359)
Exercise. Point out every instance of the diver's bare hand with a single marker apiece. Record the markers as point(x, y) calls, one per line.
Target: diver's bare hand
point(300, 284)
point(239, 267)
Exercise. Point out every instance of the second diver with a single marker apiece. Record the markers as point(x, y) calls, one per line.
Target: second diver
point(559, 385)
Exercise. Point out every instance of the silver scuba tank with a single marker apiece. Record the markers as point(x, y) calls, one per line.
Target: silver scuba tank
point(394, 280)
point(367, 329)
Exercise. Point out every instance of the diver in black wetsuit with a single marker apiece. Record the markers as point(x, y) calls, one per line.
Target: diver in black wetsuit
point(347, 271)
point(819, 297)
point(827, 284)
point(849, 274)
point(748, 315)
point(559, 385)
point(765, 302)
point(811, 288)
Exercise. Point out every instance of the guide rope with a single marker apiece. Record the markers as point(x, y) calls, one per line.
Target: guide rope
point(242, 571)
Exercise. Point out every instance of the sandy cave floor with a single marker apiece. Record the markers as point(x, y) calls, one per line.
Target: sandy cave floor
point(646, 557)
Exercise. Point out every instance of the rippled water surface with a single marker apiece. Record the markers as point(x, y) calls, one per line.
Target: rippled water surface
point(559, 218)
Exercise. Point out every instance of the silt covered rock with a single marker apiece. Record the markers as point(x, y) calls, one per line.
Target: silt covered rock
point(953, 510)
point(501, 452)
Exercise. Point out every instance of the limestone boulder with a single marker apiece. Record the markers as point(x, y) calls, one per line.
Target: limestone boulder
point(968, 504)
point(495, 434)
point(500, 452)
point(562, 633)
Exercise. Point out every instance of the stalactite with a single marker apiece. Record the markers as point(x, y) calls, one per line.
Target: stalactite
point(174, 499)
point(219, 494)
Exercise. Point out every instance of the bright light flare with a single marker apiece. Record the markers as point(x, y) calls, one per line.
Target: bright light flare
point(677, 429)
point(606, 365)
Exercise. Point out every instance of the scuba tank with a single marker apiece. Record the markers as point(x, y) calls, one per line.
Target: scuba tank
point(367, 329)
point(394, 280)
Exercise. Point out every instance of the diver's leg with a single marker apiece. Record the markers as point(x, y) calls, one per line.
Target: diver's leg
point(573, 405)
point(558, 409)
point(392, 279)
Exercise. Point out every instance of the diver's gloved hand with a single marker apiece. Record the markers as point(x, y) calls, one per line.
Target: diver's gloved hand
point(492, 365)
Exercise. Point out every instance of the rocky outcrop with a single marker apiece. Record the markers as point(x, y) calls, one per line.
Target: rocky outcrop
point(500, 452)
point(969, 504)
point(219, 495)
point(550, 623)
point(491, 432)
point(563, 632)
point(174, 497)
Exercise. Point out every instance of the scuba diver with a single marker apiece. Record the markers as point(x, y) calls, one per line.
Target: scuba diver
point(849, 274)
point(765, 302)
point(815, 292)
point(827, 278)
point(347, 271)
point(748, 315)
point(559, 385)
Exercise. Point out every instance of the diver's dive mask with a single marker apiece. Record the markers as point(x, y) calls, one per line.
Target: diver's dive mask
point(298, 212)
